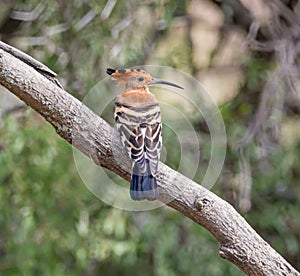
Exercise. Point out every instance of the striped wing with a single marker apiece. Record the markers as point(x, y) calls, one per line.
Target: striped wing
point(140, 130)
point(153, 145)
point(132, 138)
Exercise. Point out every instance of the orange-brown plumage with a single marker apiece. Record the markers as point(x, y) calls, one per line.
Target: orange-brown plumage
point(137, 116)
point(136, 98)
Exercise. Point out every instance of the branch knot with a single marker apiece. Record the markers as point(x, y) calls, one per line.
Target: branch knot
point(202, 204)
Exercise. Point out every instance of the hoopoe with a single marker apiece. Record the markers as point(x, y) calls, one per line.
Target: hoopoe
point(137, 117)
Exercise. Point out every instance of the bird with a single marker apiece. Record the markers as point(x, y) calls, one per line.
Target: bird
point(138, 121)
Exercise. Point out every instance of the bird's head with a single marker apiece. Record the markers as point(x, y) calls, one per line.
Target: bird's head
point(136, 78)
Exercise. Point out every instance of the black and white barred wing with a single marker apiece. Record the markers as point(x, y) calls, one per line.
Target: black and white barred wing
point(132, 138)
point(153, 145)
point(140, 130)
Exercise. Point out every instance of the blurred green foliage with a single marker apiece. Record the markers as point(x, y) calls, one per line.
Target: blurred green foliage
point(50, 224)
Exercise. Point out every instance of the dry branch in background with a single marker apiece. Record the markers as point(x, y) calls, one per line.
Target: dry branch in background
point(239, 243)
point(279, 26)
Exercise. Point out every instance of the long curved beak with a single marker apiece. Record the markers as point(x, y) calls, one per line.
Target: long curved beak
point(158, 81)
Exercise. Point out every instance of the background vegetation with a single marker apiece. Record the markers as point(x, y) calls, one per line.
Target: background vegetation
point(50, 223)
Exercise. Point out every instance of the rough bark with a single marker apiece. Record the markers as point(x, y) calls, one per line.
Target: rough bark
point(239, 243)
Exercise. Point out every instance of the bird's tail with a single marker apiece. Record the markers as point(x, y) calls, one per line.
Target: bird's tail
point(143, 185)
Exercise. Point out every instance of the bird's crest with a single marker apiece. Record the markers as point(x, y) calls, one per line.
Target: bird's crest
point(127, 76)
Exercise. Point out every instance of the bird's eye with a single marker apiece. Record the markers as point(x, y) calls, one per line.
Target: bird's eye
point(140, 79)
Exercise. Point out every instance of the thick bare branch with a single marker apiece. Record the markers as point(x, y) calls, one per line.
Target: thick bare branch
point(239, 243)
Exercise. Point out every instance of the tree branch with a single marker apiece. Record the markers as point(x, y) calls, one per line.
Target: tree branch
point(239, 243)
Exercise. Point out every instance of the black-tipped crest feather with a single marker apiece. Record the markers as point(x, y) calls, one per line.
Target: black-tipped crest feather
point(110, 71)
